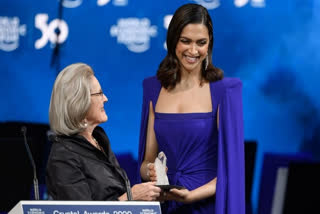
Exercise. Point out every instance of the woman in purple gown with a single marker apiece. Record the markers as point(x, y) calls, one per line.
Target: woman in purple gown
point(194, 115)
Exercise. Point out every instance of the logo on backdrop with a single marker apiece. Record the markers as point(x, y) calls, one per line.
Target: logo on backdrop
point(71, 3)
point(10, 32)
point(254, 3)
point(213, 4)
point(49, 30)
point(115, 2)
point(35, 211)
point(209, 4)
point(135, 33)
point(77, 3)
point(166, 22)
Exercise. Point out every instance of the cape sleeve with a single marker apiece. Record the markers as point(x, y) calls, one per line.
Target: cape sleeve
point(230, 195)
point(151, 89)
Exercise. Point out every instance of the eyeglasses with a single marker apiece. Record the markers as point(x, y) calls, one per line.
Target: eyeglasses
point(98, 94)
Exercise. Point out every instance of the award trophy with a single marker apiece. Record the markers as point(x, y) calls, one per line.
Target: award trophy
point(160, 165)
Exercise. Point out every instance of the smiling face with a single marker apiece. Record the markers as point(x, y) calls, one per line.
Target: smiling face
point(192, 47)
point(96, 113)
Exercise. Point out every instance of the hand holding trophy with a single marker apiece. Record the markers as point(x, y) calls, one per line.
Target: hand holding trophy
point(160, 166)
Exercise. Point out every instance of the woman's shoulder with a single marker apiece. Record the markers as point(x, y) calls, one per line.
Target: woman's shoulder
point(61, 150)
point(227, 83)
point(151, 87)
point(62, 143)
point(150, 81)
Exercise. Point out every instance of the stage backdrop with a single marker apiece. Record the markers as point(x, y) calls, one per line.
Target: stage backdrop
point(272, 46)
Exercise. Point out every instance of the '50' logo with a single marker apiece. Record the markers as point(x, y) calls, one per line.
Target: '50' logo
point(49, 30)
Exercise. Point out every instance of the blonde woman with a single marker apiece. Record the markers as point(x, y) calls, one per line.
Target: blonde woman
point(81, 164)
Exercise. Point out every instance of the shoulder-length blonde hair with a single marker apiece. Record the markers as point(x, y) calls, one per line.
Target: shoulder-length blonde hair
point(70, 99)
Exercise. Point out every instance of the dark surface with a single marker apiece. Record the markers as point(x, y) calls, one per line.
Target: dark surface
point(16, 180)
point(303, 187)
point(250, 149)
point(169, 187)
point(272, 162)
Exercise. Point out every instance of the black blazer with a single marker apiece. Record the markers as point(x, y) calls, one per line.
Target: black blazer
point(76, 170)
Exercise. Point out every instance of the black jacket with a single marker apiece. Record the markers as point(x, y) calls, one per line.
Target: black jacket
point(76, 170)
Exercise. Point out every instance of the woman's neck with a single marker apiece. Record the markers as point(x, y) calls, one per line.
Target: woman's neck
point(190, 79)
point(87, 133)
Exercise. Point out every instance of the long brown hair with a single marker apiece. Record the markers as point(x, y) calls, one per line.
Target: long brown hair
point(169, 73)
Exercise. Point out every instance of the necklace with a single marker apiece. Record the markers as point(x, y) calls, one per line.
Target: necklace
point(98, 145)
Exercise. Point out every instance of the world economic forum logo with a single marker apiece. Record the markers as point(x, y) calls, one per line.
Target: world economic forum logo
point(209, 4)
point(115, 2)
point(35, 211)
point(213, 4)
point(10, 32)
point(77, 3)
point(71, 3)
point(49, 30)
point(135, 33)
point(254, 3)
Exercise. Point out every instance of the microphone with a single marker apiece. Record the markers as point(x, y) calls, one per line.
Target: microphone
point(55, 58)
point(128, 187)
point(35, 180)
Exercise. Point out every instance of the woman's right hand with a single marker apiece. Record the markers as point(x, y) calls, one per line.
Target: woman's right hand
point(145, 192)
point(151, 172)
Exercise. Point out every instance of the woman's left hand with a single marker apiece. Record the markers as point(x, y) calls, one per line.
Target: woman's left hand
point(182, 195)
point(186, 196)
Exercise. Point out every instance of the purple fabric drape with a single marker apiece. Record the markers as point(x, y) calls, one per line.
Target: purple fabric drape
point(227, 95)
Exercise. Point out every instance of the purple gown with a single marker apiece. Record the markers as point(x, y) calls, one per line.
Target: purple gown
point(197, 151)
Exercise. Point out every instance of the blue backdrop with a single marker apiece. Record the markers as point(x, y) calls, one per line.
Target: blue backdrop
point(272, 46)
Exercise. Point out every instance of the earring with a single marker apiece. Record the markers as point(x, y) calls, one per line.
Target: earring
point(206, 62)
point(85, 124)
point(175, 75)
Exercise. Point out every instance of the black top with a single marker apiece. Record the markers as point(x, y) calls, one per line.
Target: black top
point(76, 170)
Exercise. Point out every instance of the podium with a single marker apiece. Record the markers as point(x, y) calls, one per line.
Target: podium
point(86, 207)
